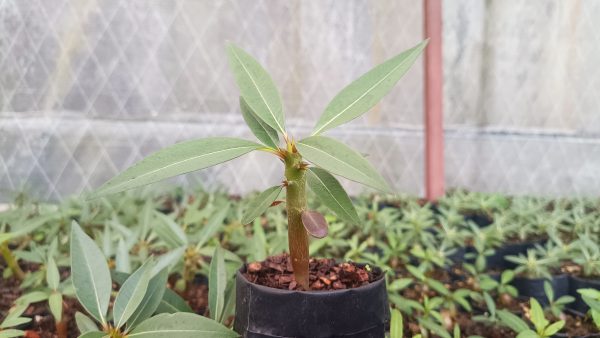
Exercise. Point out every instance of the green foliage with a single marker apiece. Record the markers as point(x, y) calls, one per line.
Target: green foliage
point(135, 303)
point(339, 159)
point(362, 94)
point(543, 328)
point(592, 298)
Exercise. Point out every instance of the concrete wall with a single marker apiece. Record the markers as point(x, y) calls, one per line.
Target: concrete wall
point(88, 87)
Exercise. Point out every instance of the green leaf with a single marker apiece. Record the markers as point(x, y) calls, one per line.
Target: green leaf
point(94, 334)
point(260, 203)
point(331, 193)
point(362, 94)
point(217, 282)
point(527, 334)
point(169, 231)
point(340, 159)
point(396, 325)
point(172, 303)
point(212, 226)
point(256, 87)
point(175, 160)
point(131, 294)
point(267, 135)
point(90, 274)
point(32, 297)
point(168, 260)
point(512, 321)
point(52, 274)
point(11, 333)
point(56, 306)
point(122, 261)
point(152, 298)
point(84, 323)
point(314, 223)
point(181, 325)
point(554, 328)
point(537, 315)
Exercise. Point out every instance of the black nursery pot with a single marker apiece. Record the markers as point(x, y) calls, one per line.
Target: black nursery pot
point(263, 312)
point(576, 283)
point(534, 287)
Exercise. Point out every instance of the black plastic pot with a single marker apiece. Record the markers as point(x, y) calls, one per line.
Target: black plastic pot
point(263, 312)
point(481, 219)
point(576, 283)
point(534, 287)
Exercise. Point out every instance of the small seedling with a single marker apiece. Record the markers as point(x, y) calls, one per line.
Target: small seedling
point(262, 110)
point(543, 328)
point(135, 305)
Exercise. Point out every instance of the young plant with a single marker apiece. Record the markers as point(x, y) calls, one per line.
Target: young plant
point(134, 304)
point(592, 298)
point(53, 292)
point(534, 265)
point(588, 257)
point(13, 319)
point(543, 328)
point(556, 306)
point(262, 110)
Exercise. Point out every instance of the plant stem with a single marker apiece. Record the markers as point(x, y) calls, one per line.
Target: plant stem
point(11, 261)
point(295, 174)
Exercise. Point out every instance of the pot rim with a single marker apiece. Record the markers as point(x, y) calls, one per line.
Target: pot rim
point(376, 283)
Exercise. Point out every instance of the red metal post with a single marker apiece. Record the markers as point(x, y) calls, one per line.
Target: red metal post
point(434, 131)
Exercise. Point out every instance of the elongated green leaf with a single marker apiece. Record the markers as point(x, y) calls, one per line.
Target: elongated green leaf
point(260, 203)
point(55, 303)
point(151, 300)
point(168, 260)
point(32, 297)
point(14, 322)
point(84, 323)
point(212, 226)
point(122, 261)
point(172, 303)
point(94, 334)
point(396, 325)
point(52, 274)
point(331, 193)
point(181, 325)
point(537, 315)
point(362, 94)
point(267, 135)
point(175, 160)
point(169, 231)
point(90, 274)
point(217, 282)
point(528, 334)
point(11, 333)
point(131, 294)
point(340, 159)
point(256, 87)
point(554, 328)
point(512, 321)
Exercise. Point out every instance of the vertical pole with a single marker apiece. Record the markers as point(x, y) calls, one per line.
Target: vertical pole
point(434, 131)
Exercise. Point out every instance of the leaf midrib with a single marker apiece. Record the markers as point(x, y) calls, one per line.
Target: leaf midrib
point(172, 164)
point(88, 267)
point(257, 89)
point(363, 95)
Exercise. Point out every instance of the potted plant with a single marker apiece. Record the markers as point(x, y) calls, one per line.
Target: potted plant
point(587, 258)
point(352, 312)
